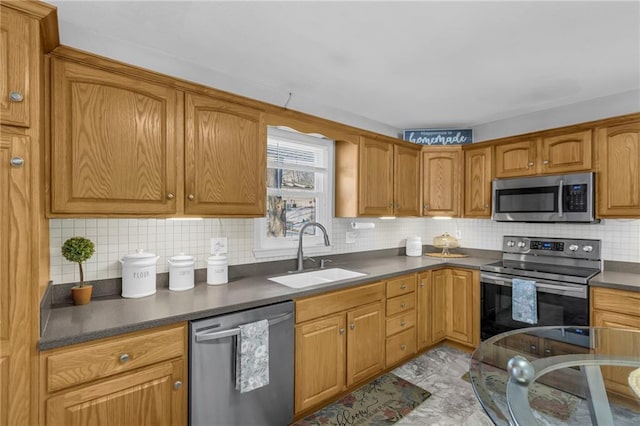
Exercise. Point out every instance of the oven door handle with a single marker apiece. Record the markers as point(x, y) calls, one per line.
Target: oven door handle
point(508, 282)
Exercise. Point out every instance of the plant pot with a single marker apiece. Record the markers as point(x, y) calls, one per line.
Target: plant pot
point(81, 295)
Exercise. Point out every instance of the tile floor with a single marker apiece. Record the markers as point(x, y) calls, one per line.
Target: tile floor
point(453, 402)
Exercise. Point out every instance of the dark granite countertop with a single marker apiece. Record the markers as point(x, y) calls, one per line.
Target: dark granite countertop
point(110, 316)
point(114, 315)
point(617, 279)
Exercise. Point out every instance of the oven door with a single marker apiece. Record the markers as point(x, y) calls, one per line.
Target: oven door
point(563, 304)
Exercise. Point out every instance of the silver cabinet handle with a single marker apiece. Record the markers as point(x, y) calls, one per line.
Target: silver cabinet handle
point(16, 97)
point(124, 358)
point(545, 162)
point(403, 323)
point(530, 164)
point(170, 196)
point(403, 305)
point(352, 326)
point(486, 206)
point(403, 287)
point(426, 206)
point(403, 347)
point(191, 197)
point(547, 351)
point(177, 384)
point(342, 331)
point(421, 284)
point(390, 205)
point(533, 347)
point(17, 161)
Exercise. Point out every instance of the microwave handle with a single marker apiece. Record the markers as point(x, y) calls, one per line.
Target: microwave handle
point(560, 198)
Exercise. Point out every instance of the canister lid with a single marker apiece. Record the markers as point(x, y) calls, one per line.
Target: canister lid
point(140, 256)
point(181, 257)
point(216, 257)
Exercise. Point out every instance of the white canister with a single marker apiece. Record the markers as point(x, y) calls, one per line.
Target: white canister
point(139, 274)
point(414, 246)
point(181, 272)
point(217, 269)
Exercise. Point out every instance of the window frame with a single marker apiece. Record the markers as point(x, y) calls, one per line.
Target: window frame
point(265, 247)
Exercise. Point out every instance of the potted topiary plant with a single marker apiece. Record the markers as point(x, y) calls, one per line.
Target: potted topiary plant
point(79, 249)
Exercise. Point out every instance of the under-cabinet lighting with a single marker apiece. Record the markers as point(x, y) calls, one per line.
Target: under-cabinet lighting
point(387, 217)
point(185, 218)
point(442, 217)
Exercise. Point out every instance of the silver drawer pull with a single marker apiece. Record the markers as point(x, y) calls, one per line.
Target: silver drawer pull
point(177, 385)
point(342, 331)
point(124, 358)
point(17, 161)
point(403, 305)
point(16, 97)
point(403, 287)
point(403, 347)
point(403, 323)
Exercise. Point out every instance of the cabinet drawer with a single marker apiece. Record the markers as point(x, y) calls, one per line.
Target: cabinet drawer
point(338, 301)
point(402, 285)
point(401, 346)
point(67, 367)
point(401, 304)
point(624, 302)
point(401, 322)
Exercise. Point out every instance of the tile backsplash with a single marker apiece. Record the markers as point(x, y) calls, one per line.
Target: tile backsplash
point(115, 238)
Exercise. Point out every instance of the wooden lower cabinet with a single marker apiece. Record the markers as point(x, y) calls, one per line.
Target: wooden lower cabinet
point(400, 330)
point(134, 379)
point(616, 309)
point(335, 350)
point(448, 307)
point(145, 397)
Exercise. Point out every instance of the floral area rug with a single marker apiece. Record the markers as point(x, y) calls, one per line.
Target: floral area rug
point(383, 401)
point(545, 399)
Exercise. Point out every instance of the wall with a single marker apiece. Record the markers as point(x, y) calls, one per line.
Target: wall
point(115, 238)
point(594, 109)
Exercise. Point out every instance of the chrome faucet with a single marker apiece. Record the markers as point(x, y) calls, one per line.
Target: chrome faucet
point(300, 267)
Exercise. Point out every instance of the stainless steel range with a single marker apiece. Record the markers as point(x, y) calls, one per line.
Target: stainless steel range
point(561, 269)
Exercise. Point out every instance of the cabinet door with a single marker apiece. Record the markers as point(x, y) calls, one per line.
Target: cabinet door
point(226, 157)
point(566, 153)
point(365, 342)
point(320, 360)
point(424, 307)
point(15, 281)
point(477, 182)
point(376, 177)
point(463, 303)
point(441, 182)
point(439, 286)
point(516, 158)
point(150, 396)
point(114, 146)
point(618, 180)
point(616, 378)
point(406, 182)
point(16, 62)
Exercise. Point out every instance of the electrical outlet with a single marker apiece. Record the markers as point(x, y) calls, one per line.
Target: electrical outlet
point(350, 238)
point(458, 234)
point(219, 245)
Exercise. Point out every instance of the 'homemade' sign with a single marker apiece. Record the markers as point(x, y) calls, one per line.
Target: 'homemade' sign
point(438, 137)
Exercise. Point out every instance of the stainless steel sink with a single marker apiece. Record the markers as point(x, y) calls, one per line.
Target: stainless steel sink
point(319, 276)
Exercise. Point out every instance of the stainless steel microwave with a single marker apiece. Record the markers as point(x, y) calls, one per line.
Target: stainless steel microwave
point(555, 198)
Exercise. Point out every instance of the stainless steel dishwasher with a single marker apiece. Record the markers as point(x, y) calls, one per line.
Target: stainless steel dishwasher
point(213, 398)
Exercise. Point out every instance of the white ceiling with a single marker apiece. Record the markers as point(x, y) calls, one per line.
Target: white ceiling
point(401, 64)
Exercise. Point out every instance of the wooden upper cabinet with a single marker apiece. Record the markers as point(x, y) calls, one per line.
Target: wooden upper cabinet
point(477, 181)
point(566, 153)
point(406, 182)
point(516, 158)
point(17, 64)
point(113, 143)
point(618, 179)
point(225, 158)
point(376, 177)
point(441, 177)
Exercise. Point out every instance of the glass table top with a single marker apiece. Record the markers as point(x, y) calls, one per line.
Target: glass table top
point(559, 376)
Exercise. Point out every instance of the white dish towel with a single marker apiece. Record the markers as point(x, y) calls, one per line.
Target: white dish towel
point(524, 303)
point(252, 356)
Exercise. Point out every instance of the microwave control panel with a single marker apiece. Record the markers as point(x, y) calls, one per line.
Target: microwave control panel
point(575, 198)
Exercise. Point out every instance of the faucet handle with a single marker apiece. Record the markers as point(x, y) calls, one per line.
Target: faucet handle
point(323, 262)
point(309, 258)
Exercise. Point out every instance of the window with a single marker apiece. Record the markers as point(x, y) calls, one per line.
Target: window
point(299, 190)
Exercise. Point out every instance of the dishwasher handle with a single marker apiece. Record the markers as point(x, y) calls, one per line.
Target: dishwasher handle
point(235, 331)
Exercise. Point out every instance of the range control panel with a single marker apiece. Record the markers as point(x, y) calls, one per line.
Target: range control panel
point(560, 247)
